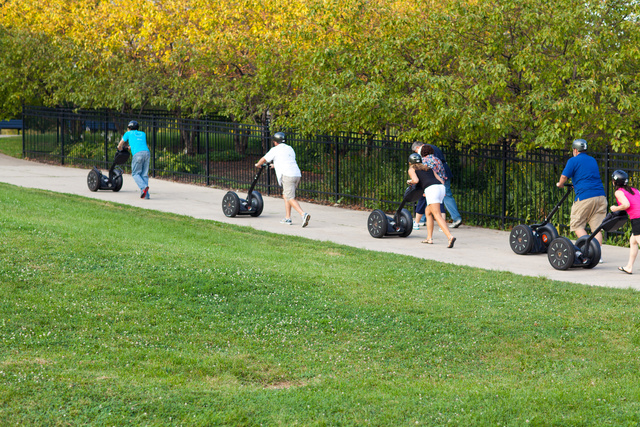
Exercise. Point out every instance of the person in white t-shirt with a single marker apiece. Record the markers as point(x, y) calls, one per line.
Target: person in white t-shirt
point(283, 159)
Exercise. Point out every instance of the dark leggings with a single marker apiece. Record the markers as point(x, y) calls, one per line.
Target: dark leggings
point(422, 205)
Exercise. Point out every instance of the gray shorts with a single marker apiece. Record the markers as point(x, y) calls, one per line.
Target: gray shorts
point(289, 185)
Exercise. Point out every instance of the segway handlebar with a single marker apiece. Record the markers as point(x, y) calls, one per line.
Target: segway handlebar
point(255, 180)
point(612, 222)
point(569, 188)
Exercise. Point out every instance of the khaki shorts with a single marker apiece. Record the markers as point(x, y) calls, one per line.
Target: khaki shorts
point(589, 211)
point(289, 185)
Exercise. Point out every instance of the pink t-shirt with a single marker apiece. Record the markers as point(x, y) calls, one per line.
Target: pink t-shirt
point(634, 202)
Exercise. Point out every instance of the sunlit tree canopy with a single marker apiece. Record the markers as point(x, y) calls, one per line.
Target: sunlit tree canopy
point(535, 73)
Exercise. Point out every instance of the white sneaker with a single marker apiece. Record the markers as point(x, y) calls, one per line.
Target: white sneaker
point(416, 226)
point(456, 224)
point(286, 221)
point(305, 219)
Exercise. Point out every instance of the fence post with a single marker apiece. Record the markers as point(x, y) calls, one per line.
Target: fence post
point(504, 183)
point(106, 137)
point(266, 139)
point(607, 168)
point(207, 168)
point(153, 146)
point(24, 128)
point(62, 140)
point(336, 186)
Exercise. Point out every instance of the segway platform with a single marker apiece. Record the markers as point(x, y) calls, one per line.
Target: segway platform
point(536, 238)
point(233, 205)
point(380, 224)
point(113, 181)
point(586, 252)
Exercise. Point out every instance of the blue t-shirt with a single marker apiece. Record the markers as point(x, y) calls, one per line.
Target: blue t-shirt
point(585, 175)
point(137, 141)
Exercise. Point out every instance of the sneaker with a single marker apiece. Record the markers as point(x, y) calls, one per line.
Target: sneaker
point(423, 222)
point(456, 223)
point(143, 193)
point(286, 221)
point(416, 226)
point(305, 219)
point(147, 196)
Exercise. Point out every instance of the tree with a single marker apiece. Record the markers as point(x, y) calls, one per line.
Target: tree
point(532, 73)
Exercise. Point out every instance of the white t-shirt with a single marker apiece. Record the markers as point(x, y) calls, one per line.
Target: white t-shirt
point(284, 161)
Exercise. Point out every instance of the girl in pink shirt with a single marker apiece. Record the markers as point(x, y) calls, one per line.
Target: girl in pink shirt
point(628, 200)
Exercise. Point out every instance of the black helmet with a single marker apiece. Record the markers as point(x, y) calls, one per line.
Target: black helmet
point(620, 178)
point(133, 125)
point(414, 158)
point(278, 137)
point(579, 144)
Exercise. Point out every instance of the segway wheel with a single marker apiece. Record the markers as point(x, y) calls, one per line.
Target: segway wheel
point(93, 180)
point(405, 222)
point(117, 183)
point(521, 239)
point(561, 253)
point(257, 204)
point(377, 223)
point(594, 253)
point(231, 204)
point(547, 234)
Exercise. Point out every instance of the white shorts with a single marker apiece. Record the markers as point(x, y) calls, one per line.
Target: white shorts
point(434, 193)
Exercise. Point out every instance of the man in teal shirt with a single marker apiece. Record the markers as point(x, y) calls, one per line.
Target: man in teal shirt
point(137, 141)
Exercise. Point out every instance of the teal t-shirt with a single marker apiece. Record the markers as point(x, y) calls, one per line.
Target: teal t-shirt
point(137, 141)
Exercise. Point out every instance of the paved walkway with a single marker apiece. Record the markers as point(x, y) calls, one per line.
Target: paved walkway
point(475, 247)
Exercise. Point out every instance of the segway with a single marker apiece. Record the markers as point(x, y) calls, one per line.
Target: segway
point(97, 181)
point(586, 251)
point(233, 205)
point(533, 239)
point(401, 224)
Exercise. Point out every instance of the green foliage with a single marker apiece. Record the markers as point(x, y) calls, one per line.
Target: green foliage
point(534, 73)
point(192, 163)
point(84, 150)
point(179, 162)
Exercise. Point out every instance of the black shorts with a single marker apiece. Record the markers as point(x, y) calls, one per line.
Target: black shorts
point(635, 226)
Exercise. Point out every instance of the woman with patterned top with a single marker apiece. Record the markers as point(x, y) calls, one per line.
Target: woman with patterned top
point(425, 176)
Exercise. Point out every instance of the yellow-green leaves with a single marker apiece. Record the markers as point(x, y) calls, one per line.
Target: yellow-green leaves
point(537, 73)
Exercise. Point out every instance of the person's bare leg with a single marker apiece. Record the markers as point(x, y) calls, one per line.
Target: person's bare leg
point(580, 232)
point(287, 208)
point(633, 253)
point(294, 203)
point(435, 211)
point(430, 224)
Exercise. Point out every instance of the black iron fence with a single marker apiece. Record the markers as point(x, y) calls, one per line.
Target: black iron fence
point(493, 186)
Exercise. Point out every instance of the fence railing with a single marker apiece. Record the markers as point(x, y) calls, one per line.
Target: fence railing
point(493, 185)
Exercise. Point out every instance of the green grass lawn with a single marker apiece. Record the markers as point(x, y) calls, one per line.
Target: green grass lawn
point(113, 315)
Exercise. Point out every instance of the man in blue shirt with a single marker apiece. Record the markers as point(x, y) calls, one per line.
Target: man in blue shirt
point(137, 141)
point(590, 204)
